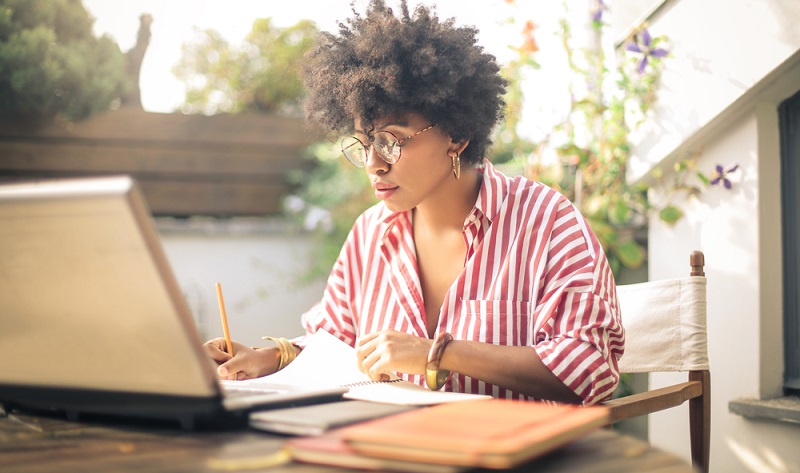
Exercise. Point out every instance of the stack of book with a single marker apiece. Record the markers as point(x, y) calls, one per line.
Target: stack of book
point(452, 437)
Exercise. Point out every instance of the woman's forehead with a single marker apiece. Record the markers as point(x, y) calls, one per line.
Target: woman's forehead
point(404, 119)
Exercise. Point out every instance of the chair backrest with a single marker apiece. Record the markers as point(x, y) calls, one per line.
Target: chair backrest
point(665, 325)
point(665, 330)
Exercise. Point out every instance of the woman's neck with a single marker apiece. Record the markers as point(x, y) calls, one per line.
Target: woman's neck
point(448, 208)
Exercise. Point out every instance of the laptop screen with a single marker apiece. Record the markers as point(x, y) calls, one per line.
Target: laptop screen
point(87, 299)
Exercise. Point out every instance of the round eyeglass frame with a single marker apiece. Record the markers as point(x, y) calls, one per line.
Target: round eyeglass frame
point(385, 143)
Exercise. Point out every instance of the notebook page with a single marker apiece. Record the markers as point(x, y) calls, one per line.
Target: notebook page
point(325, 362)
point(328, 362)
point(405, 393)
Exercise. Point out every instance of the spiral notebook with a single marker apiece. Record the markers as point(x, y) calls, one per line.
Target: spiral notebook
point(328, 362)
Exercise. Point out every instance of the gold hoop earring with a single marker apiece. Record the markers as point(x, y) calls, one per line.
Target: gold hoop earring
point(456, 160)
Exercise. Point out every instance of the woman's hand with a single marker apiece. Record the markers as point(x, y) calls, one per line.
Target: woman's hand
point(383, 353)
point(246, 363)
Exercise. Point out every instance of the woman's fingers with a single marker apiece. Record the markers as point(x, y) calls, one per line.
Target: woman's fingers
point(215, 349)
point(243, 365)
point(383, 353)
point(375, 366)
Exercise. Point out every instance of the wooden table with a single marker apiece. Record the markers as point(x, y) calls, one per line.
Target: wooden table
point(38, 444)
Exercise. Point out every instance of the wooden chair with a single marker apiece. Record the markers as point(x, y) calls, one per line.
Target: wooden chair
point(665, 331)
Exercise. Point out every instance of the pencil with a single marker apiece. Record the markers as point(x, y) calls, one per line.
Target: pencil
point(224, 318)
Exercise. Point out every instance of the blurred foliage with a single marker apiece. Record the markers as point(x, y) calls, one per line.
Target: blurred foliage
point(51, 64)
point(509, 146)
point(262, 75)
point(586, 155)
point(330, 196)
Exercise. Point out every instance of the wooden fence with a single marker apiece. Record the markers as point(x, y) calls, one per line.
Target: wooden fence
point(222, 165)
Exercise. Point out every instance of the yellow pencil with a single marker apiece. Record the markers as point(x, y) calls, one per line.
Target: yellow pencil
point(224, 320)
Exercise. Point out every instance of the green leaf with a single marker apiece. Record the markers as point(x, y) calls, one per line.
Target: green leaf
point(619, 213)
point(613, 261)
point(605, 233)
point(630, 254)
point(670, 214)
point(704, 178)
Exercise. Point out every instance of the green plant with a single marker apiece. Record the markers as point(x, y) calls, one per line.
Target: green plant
point(611, 95)
point(261, 75)
point(51, 65)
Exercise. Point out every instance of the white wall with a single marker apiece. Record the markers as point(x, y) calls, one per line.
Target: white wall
point(720, 50)
point(744, 316)
point(732, 62)
point(258, 264)
point(725, 226)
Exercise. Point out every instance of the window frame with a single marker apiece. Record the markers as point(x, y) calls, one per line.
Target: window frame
point(789, 129)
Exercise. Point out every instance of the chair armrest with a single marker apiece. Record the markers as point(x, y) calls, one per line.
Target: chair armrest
point(652, 401)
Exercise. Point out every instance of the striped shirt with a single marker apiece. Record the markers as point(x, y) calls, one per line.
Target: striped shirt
point(534, 275)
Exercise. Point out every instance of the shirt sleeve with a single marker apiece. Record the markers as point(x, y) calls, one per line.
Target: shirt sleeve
point(578, 333)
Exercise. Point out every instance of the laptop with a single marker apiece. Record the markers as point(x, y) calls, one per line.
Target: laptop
point(92, 319)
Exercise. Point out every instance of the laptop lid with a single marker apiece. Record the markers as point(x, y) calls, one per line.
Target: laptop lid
point(91, 316)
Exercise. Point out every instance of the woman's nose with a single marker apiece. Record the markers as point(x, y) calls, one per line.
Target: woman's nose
point(374, 163)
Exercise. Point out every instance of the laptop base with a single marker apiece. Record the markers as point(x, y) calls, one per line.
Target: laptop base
point(187, 412)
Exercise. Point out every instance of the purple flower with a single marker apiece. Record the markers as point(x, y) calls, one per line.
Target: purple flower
point(597, 16)
point(645, 47)
point(721, 175)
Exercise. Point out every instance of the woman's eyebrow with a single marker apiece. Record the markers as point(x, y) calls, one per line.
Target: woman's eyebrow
point(400, 123)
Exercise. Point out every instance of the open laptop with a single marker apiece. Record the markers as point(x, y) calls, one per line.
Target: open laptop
point(92, 320)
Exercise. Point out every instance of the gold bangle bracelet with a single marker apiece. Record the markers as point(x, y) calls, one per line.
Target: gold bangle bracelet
point(434, 377)
point(286, 350)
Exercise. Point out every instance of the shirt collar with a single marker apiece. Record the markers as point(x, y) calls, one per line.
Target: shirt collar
point(387, 218)
point(492, 193)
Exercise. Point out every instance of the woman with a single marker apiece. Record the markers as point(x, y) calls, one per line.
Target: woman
point(458, 268)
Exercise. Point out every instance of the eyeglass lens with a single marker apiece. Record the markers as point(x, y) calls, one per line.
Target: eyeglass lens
point(384, 143)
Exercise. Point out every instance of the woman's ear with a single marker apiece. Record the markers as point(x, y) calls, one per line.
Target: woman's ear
point(458, 146)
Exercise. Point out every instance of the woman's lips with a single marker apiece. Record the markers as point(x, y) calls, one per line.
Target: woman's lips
point(383, 190)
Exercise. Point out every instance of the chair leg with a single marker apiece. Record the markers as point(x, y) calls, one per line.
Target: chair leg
point(700, 421)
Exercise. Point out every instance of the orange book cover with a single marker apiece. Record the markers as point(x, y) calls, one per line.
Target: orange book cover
point(330, 449)
point(495, 433)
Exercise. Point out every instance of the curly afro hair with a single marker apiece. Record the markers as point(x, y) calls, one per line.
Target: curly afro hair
point(381, 65)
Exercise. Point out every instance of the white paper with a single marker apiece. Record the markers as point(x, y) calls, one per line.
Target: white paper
point(328, 362)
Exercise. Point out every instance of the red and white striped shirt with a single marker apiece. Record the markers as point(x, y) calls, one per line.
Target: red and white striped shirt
point(535, 275)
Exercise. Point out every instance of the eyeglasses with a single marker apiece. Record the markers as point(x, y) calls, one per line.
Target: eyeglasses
point(385, 143)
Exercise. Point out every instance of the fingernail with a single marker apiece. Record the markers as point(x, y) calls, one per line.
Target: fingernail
point(223, 371)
